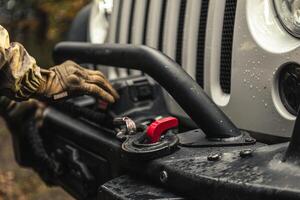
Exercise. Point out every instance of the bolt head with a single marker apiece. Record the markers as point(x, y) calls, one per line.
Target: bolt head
point(163, 177)
point(214, 157)
point(246, 153)
point(250, 140)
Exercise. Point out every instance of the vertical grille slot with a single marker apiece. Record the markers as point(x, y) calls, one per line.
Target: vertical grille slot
point(124, 29)
point(162, 25)
point(226, 45)
point(130, 29)
point(180, 32)
point(146, 21)
point(131, 22)
point(201, 43)
point(117, 39)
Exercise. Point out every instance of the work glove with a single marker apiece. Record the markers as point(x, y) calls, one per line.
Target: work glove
point(70, 79)
point(21, 78)
point(17, 115)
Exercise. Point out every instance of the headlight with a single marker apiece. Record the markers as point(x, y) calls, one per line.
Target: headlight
point(99, 20)
point(288, 12)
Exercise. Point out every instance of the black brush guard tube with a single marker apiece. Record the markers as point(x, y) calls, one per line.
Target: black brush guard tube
point(188, 94)
point(293, 152)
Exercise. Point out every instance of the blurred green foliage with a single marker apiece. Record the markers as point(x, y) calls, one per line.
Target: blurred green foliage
point(39, 24)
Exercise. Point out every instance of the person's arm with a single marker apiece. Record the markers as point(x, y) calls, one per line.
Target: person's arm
point(21, 78)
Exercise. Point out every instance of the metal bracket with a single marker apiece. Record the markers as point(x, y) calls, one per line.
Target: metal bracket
point(136, 146)
point(196, 138)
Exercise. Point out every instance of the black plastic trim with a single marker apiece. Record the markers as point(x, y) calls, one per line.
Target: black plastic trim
point(201, 43)
point(226, 45)
point(180, 31)
point(162, 24)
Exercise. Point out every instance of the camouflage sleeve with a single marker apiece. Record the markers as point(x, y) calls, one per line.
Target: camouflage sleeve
point(20, 77)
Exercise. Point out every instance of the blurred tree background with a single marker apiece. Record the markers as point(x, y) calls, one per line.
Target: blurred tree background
point(38, 25)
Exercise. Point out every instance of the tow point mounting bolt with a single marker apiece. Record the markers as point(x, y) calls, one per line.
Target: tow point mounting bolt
point(249, 140)
point(163, 177)
point(246, 153)
point(214, 157)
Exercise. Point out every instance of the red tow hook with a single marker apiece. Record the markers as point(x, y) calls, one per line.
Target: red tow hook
point(159, 127)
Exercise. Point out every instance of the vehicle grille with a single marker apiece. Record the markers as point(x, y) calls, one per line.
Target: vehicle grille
point(157, 35)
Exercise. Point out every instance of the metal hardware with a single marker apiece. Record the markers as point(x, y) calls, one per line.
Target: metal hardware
point(246, 153)
point(214, 157)
point(163, 177)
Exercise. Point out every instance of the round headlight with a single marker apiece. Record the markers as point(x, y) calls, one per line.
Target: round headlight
point(288, 12)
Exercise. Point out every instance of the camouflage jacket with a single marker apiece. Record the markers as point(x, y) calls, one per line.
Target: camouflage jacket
point(20, 77)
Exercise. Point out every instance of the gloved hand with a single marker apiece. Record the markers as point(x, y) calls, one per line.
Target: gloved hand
point(24, 119)
point(69, 79)
point(15, 113)
point(21, 78)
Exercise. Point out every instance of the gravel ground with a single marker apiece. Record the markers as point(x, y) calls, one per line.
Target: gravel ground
point(17, 183)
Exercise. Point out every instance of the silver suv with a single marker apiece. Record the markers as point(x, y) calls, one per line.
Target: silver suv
point(244, 53)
